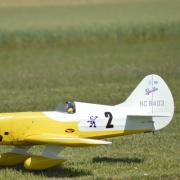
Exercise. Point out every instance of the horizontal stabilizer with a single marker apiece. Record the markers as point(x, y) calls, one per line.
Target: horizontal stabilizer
point(149, 115)
point(63, 141)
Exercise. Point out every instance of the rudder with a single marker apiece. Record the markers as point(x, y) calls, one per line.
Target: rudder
point(152, 97)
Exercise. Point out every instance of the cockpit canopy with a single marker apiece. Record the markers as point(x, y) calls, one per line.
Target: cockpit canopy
point(68, 107)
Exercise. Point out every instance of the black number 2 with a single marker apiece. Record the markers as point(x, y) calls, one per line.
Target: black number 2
point(109, 125)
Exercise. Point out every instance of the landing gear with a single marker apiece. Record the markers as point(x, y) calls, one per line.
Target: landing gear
point(47, 159)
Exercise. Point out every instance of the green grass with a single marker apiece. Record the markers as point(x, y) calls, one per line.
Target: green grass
point(50, 17)
point(38, 79)
point(93, 54)
point(39, 26)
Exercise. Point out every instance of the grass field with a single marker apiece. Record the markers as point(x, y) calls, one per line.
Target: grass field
point(93, 53)
point(59, 25)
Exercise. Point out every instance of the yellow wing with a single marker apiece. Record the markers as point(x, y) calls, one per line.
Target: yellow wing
point(57, 139)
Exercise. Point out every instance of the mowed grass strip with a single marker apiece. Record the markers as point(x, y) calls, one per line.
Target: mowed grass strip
point(42, 26)
point(17, 3)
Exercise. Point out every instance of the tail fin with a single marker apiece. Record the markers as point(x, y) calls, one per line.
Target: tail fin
point(152, 97)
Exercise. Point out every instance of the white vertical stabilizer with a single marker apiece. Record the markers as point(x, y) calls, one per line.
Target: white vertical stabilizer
point(152, 97)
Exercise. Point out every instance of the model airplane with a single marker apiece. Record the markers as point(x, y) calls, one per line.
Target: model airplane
point(150, 107)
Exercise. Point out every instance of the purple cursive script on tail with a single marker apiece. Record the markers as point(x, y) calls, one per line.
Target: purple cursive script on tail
point(149, 91)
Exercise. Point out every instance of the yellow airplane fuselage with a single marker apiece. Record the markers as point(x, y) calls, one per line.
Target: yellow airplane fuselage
point(15, 127)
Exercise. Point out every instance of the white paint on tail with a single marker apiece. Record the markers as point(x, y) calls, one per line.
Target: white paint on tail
point(151, 98)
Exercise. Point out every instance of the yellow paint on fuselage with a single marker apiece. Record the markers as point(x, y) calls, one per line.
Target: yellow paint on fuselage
point(14, 127)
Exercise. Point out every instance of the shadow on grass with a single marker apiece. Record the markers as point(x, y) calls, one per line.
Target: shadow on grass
point(58, 171)
point(117, 160)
